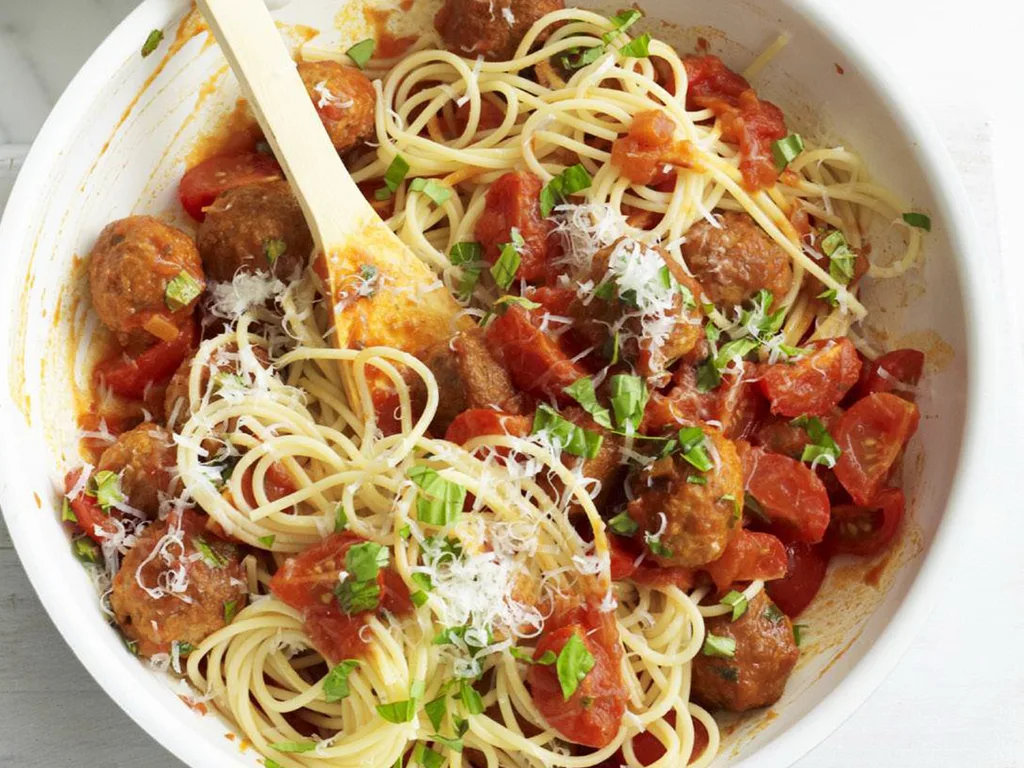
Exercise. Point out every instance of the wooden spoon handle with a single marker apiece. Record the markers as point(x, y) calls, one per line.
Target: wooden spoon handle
point(332, 203)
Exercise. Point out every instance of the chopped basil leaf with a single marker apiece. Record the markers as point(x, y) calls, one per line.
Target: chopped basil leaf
point(274, 249)
point(830, 297)
point(798, 633)
point(573, 663)
point(470, 698)
point(468, 256)
point(417, 689)
point(271, 763)
point(211, 557)
point(436, 710)
point(394, 176)
point(440, 501)
point(605, 291)
point(85, 549)
point(629, 399)
point(357, 596)
point(362, 52)
point(657, 548)
point(267, 541)
point(786, 150)
point(570, 181)
point(773, 614)
point(583, 58)
point(230, 609)
point(582, 391)
point(737, 601)
point(294, 746)
point(918, 220)
point(153, 41)
point(693, 446)
point(418, 598)
point(453, 743)
point(398, 711)
point(546, 659)
point(622, 22)
point(424, 756)
point(107, 491)
point(623, 524)
point(433, 189)
point(504, 269)
point(405, 532)
point(423, 581)
point(67, 515)
point(336, 683)
point(181, 291)
point(132, 646)
point(823, 448)
point(364, 561)
point(719, 646)
point(570, 437)
point(638, 48)
point(340, 518)
point(461, 725)
point(697, 480)
point(841, 258)
point(519, 301)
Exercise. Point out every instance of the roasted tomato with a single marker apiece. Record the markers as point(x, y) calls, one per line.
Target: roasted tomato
point(485, 421)
point(871, 436)
point(750, 556)
point(812, 385)
point(130, 377)
point(790, 495)
point(898, 372)
point(202, 183)
point(866, 531)
point(591, 716)
point(90, 517)
point(806, 570)
point(513, 202)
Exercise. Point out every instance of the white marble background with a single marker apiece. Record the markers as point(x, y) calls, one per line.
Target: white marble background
point(956, 699)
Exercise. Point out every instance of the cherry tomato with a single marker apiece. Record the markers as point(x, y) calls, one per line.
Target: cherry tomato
point(812, 385)
point(749, 556)
point(624, 553)
point(534, 361)
point(887, 373)
point(593, 714)
point(871, 436)
point(130, 378)
point(513, 202)
point(781, 436)
point(807, 566)
point(277, 484)
point(737, 405)
point(866, 531)
point(486, 421)
point(202, 183)
point(791, 496)
point(89, 515)
point(626, 563)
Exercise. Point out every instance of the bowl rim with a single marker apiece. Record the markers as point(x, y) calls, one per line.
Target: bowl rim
point(952, 207)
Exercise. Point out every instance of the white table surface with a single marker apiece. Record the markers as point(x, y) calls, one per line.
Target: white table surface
point(957, 697)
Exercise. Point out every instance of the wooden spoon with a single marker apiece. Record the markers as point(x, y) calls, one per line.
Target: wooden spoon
point(410, 309)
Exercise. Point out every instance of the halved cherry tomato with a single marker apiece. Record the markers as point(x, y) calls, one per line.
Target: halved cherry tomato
point(130, 378)
point(866, 531)
point(807, 566)
point(593, 714)
point(513, 202)
point(626, 563)
point(812, 385)
point(534, 361)
point(790, 494)
point(737, 405)
point(871, 436)
point(202, 183)
point(780, 436)
point(486, 421)
point(887, 373)
point(92, 520)
point(749, 556)
point(306, 582)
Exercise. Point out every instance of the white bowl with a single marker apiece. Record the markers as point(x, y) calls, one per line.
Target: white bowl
point(104, 154)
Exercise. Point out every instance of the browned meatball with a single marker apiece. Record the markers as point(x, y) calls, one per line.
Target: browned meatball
point(764, 658)
point(606, 468)
point(737, 260)
point(598, 318)
point(490, 28)
point(145, 458)
point(145, 278)
point(468, 376)
point(344, 99)
point(206, 569)
point(691, 520)
point(258, 227)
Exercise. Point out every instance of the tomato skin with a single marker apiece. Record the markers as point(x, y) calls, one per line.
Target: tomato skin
point(791, 495)
point(625, 554)
point(646, 148)
point(749, 556)
point(901, 366)
point(486, 421)
point(277, 484)
point(866, 531)
point(202, 183)
point(306, 582)
point(812, 385)
point(513, 201)
point(592, 715)
point(806, 571)
point(535, 362)
point(88, 513)
point(871, 436)
point(738, 406)
point(156, 365)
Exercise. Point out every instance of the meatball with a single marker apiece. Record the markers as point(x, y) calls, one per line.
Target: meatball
point(756, 674)
point(145, 458)
point(597, 319)
point(469, 377)
point(257, 227)
point(606, 467)
point(737, 260)
point(180, 593)
point(145, 278)
point(177, 402)
point(691, 522)
point(344, 99)
point(490, 28)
